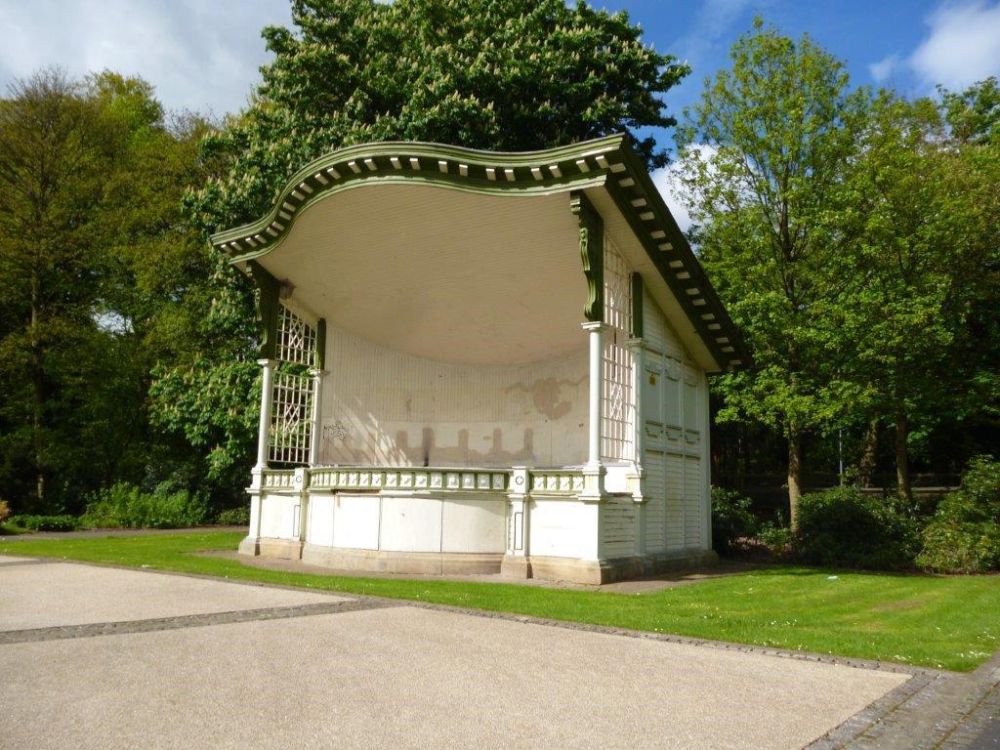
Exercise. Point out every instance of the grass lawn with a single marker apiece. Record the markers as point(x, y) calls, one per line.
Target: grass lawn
point(943, 622)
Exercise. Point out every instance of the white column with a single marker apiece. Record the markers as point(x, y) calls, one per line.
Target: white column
point(250, 545)
point(595, 331)
point(515, 563)
point(593, 471)
point(266, 396)
point(317, 417)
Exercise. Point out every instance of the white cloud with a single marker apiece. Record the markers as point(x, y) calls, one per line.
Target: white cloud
point(199, 55)
point(884, 68)
point(963, 46)
point(667, 181)
point(711, 25)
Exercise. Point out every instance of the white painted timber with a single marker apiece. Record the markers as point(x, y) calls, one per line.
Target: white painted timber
point(319, 529)
point(411, 524)
point(278, 516)
point(356, 521)
point(564, 528)
point(473, 525)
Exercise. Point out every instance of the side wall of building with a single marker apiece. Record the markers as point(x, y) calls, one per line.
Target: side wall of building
point(675, 436)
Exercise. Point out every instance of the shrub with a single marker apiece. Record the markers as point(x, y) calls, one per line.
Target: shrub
point(731, 519)
point(775, 535)
point(964, 536)
point(847, 527)
point(234, 516)
point(45, 523)
point(4, 511)
point(126, 506)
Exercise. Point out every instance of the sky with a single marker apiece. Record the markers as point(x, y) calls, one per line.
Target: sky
point(204, 55)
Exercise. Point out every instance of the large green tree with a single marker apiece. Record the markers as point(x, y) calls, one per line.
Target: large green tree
point(92, 247)
point(921, 264)
point(763, 155)
point(496, 74)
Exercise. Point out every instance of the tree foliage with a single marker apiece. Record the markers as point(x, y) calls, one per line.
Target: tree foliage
point(854, 238)
point(764, 153)
point(94, 256)
point(499, 74)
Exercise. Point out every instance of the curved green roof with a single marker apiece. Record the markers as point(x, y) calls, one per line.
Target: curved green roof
point(604, 162)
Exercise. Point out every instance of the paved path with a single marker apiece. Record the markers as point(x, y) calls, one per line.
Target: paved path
point(106, 658)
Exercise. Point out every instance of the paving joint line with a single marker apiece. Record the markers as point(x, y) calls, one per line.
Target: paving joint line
point(32, 561)
point(179, 622)
point(845, 661)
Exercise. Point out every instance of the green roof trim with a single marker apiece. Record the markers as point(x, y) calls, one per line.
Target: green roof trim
point(607, 163)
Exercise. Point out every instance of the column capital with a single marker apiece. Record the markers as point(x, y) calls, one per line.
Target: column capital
point(594, 326)
point(635, 344)
point(266, 362)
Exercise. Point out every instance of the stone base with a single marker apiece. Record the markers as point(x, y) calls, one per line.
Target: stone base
point(515, 566)
point(280, 549)
point(249, 545)
point(596, 572)
point(593, 572)
point(424, 563)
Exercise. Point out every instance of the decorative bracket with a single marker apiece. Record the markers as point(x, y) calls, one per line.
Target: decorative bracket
point(268, 294)
point(591, 253)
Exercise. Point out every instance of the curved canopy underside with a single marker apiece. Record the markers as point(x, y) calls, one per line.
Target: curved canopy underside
point(451, 276)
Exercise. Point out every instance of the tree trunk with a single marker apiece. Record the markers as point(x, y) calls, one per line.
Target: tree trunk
point(38, 397)
point(869, 454)
point(902, 455)
point(794, 475)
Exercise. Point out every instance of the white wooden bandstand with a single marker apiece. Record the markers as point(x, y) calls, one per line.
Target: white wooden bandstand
point(481, 362)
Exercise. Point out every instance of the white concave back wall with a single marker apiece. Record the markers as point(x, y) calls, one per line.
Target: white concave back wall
point(386, 408)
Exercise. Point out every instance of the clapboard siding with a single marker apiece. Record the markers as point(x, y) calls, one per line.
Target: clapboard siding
point(617, 528)
point(656, 492)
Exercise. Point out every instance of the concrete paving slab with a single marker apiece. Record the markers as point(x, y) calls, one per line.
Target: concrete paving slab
point(58, 594)
point(408, 677)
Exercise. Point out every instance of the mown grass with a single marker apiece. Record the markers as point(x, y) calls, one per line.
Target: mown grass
point(942, 622)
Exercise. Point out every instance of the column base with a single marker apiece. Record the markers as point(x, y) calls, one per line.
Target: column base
point(249, 546)
point(515, 566)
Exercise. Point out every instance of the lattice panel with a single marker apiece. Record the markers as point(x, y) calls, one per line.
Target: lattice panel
point(617, 402)
point(296, 339)
point(291, 419)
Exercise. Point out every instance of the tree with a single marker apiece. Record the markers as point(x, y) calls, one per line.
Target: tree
point(898, 311)
point(974, 114)
point(94, 256)
point(921, 313)
point(497, 74)
point(49, 183)
point(763, 155)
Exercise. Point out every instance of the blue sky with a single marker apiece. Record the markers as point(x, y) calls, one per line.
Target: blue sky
point(203, 55)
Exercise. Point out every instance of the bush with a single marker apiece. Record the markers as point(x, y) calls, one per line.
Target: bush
point(731, 519)
point(234, 516)
point(45, 523)
point(776, 536)
point(964, 536)
point(847, 527)
point(128, 507)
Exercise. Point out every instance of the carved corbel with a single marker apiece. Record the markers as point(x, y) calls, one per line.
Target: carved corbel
point(591, 253)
